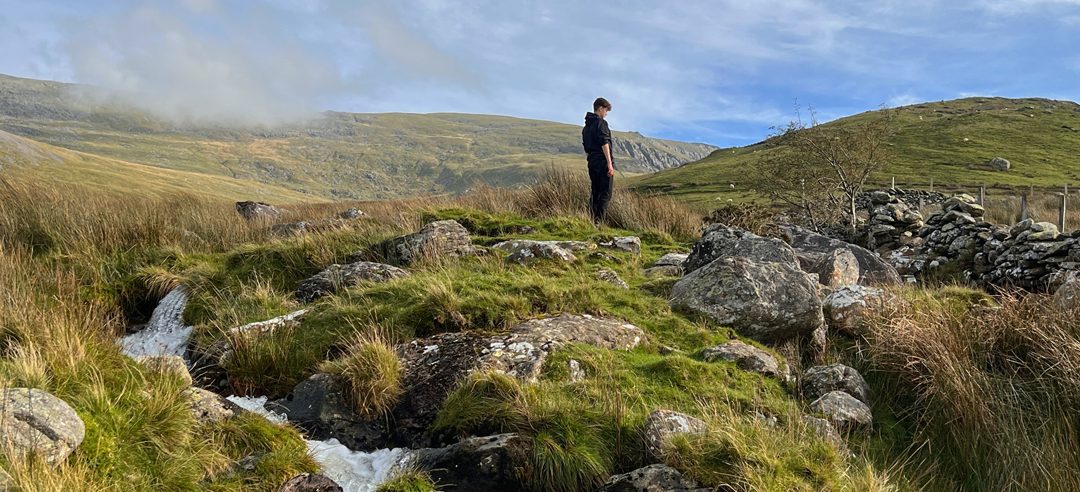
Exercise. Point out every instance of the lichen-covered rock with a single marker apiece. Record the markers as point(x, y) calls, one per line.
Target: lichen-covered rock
point(999, 164)
point(653, 478)
point(433, 366)
point(873, 270)
point(662, 425)
point(836, 268)
point(209, 407)
point(630, 244)
point(843, 411)
point(1067, 296)
point(167, 364)
point(609, 276)
point(846, 308)
point(675, 259)
point(436, 240)
point(478, 463)
point(746, 356)
point(337, 277)
point(825, 429)
point(258, 211)
point(722, 241)
point(310, 482)
point(526, 251)
point(819, 380)
point(664, 271)
point(768, 302)
point(351, 213)
point(33, 421)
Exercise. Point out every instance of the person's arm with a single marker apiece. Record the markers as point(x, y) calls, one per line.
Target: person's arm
point(605, 134)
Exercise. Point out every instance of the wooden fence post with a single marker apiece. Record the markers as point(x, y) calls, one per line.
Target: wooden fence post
point(894, 183)
point(931, 184)
point(1023, 207)
point(1061, 210)
point(982, 195)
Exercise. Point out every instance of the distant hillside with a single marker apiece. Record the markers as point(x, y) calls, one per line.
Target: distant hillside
point(947, 141)
point(341, 155)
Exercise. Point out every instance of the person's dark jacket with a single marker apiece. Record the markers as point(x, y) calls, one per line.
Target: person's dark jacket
point(595, 135)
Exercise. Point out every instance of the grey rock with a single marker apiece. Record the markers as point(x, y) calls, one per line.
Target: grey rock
point(999, 164)
point(720, 241)
point(664, 271)
point(478, 463)
point(847, 307)
point(872, 269)
point(609, 276)
point(674, 259)
point(33, 421)
point(291, 229)
point(526, 251)
point(630, 244)
point(209, 407)
point(843, 411)
point(337, 277)
point(652, 478)
point(310, 482)
point(768, 302)
point(825, 429)
point(351, 213)
point(745, 356)
point(437, 240)
point(1067, 296)
point(258, 211)
point(662, 425)
point(836, 268)
point(820, 380)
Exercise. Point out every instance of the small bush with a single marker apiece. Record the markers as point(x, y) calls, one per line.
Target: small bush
point(371, 371)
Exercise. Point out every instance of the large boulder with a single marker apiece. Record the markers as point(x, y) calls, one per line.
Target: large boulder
point(843, 411)
point(436, 240)
point(337, 277)
point(846, 308)
point(258, 211)
point(675, 259)
point(820, 380)
point(873, 270)
point(662, 425)
point(526, 251)
point(768, 302)
point(478, 463)
point(836, 268)
point(999, 164)
point(35, 422)
point(209, 407)
point(720, 241)
point(310, 482)
point(434, 366)
point(747, 357)
point(653, 478)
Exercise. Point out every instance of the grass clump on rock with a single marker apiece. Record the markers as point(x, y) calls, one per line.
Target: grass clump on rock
point(371, 372)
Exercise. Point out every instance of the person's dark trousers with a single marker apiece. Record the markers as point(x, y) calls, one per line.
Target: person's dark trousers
point(601, 188)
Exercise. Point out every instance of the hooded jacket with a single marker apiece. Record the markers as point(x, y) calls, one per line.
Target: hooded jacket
point(595, 134)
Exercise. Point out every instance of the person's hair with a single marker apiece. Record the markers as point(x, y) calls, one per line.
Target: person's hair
point(601, 103)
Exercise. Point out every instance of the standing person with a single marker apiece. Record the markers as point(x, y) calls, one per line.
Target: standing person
point(596, 138)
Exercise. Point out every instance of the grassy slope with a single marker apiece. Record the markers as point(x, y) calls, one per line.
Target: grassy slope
point(26, 158)
point(935, 140)
point(387, 155)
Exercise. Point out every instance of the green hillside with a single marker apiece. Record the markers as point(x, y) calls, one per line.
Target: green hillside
point(944, 141)
point(337, 155)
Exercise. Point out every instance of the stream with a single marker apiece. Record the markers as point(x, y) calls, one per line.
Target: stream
point(166, 334)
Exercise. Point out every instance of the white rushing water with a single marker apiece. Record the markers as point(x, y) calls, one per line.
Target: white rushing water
point(355, 471)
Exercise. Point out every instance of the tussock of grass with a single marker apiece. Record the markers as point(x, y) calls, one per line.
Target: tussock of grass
point(409, 480)
point(991, 393)
point(371, 371)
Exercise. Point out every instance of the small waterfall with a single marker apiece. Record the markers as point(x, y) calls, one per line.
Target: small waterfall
point(166, 334)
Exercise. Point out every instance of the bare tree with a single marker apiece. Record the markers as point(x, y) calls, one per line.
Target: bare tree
point(821, 169)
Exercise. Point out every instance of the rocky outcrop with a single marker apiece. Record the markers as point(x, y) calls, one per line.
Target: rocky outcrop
point(662, 425)
point(433, 366)
point(337, 277)
point(747, 357)
point(873, 270)
point(720, 241)
point(652, 478)
point(310, 482)
point(437, 240)
point(836, 268)
point(636, 153)
point(843, 411)
point(847, 307)
point(526, 251)
point(819, 380)
point(768, 302)
point(478, 463)
point(669, 265)
point(35, 422)
point(258, 211)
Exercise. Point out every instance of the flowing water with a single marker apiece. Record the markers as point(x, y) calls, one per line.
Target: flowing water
point(355, 471)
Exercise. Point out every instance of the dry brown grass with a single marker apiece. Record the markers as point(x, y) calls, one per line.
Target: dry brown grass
point(993, 392)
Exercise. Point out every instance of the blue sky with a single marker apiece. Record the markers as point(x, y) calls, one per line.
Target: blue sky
point(719, 71)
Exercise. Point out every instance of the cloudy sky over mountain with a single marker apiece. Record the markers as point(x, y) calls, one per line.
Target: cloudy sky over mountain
point(719, 71)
